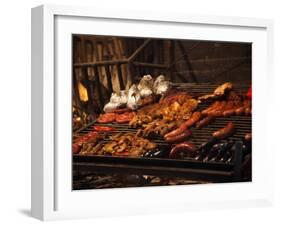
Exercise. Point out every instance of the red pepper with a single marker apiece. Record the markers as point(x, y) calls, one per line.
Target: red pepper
point(249, 93)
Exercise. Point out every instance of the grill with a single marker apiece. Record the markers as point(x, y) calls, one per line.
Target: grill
point(209, 171)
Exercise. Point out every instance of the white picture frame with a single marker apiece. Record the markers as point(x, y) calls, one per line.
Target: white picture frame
point(52, 197)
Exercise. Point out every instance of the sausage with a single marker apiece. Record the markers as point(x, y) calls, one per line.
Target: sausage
point(205, 121)
point(229, 108)
point(217, 111)
point(229, 112)
point(183, 148)
point(188, 123)
point(193, 119)
point(240, 111)
point(180, 137)
point(225, 132)
point(212, 107)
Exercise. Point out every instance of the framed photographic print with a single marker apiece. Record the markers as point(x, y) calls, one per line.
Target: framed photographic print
point(134, 112)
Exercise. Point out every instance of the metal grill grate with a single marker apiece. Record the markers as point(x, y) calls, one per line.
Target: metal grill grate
point(199, 170)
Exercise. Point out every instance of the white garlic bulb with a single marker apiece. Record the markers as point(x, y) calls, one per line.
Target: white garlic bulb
point(133, 97)
point(110, 107)
point(145, 86)
point(161, 86)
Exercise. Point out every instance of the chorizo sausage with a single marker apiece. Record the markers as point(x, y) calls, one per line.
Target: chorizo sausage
point(205, 121)
point(179, 137)
point(229, 112)
point(188, 123)
point(193, 119)
point(184, 148)
point(212, 107)
point(225, 132)
point(217, 111)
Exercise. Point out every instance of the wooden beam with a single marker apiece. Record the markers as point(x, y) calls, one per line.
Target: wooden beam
point(142, 64)
point(101, 63)
point(120, 77)
point(85, 77)
point(138, 50)
point(77, 96)
point(171, 59)
point(108, 78)
point(187, 60)
point(233, 66)
point(98, 86)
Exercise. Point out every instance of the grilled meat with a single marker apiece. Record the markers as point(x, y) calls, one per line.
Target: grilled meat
point(92, 137)
point(172, 108)
point(233, 104)
point(125, 117)
point(115, 117)
point(106, 118)
point(221, 90)
point(218, 92)
point(128, 144)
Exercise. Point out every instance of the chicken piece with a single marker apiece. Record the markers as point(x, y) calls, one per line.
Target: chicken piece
point(180, 97)
point(218, 92)
point(221, 90)
point(109, 148)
